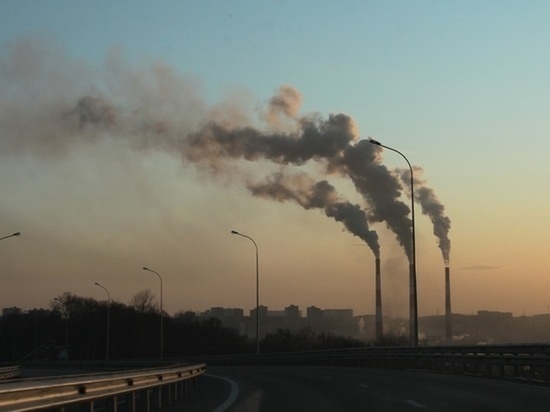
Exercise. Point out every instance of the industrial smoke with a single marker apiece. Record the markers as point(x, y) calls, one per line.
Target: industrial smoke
point(52, 103)
point(319, 195)
point(433, 208)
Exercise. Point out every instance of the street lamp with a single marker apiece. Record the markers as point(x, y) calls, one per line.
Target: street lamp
point(161, 327)
point(12, 235)
point(234, 232)
point(108, 317)
point(413, 308)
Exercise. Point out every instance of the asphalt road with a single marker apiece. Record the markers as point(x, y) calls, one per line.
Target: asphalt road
point(288, 389)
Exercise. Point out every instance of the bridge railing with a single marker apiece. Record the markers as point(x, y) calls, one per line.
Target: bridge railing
point(116, 391)
point(527, 362)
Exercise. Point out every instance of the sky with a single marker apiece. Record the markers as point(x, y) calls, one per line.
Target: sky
point(140, 133)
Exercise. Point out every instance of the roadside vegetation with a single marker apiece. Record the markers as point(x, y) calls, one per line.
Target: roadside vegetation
point(75, 328)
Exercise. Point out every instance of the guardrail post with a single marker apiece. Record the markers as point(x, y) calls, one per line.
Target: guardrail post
point(148, 400)
point(501, 371)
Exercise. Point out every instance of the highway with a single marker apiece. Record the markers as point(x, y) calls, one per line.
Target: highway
point(332, 389)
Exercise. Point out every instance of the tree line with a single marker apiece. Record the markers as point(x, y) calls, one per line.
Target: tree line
point(76, 328)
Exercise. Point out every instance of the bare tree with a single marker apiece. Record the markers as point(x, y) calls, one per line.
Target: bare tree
point(143, 301)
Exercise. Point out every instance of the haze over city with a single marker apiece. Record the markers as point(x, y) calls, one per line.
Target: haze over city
point(129, 137)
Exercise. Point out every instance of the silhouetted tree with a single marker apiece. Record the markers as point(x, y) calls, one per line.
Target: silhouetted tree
point(143, 301)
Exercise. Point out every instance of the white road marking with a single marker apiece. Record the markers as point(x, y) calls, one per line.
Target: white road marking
point(232, 395)
point(363, 385)
point(415, 404)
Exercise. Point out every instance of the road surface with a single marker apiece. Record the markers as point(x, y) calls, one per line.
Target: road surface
point(333, 389)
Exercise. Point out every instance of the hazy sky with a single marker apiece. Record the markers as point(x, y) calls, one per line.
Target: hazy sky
point(109, 161)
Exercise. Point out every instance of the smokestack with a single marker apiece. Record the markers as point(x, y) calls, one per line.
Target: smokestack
point(379, 329)
point(448, 313)
point(412, 307)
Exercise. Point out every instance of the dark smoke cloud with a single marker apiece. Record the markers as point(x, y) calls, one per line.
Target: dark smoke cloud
point(329, 141)
point(319, 195)
point(52, 102)
point(315, 139)
point(380, 188)
point(433, 208)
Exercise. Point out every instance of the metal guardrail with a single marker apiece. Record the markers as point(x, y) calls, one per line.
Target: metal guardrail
point(135, 389)
point(140, 389)
point(526, 362)
point(9, 372)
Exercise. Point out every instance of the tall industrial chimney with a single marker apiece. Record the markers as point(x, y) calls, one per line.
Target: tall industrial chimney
point(379, 328)
point(412, 307)
point(448, 313)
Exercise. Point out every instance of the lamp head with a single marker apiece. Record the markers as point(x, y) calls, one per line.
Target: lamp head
point(17, 234)
point(376, 142)
point(234, 232)
point(146, 268)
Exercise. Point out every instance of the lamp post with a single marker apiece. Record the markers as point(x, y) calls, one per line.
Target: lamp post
point(161, 316)
point(413, 308)
point(108, 318)
point(12, 235)
point(234, 232)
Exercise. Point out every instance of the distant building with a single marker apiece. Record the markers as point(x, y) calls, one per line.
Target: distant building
point(262, 310)
point(11, 311)
point(338, 321)
point(293, 312)
point(314, 313)
point(276, 313)
point(223, 313)
point(338, 314)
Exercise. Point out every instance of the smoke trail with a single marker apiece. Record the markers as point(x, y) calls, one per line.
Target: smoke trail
point(329, 141)
point(326, 141)
point(53, 102)
point(381, 189)
point(315, 139)
point(50, 103)
point(433, 208)
point(319, 195)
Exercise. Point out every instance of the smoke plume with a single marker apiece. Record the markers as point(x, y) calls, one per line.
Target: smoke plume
point(319, 195)
point(50, 103)
point(380, 188)
point(433, 208)
point(329, 142)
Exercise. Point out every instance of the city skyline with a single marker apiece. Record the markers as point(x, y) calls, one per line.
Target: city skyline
point(103, 169)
